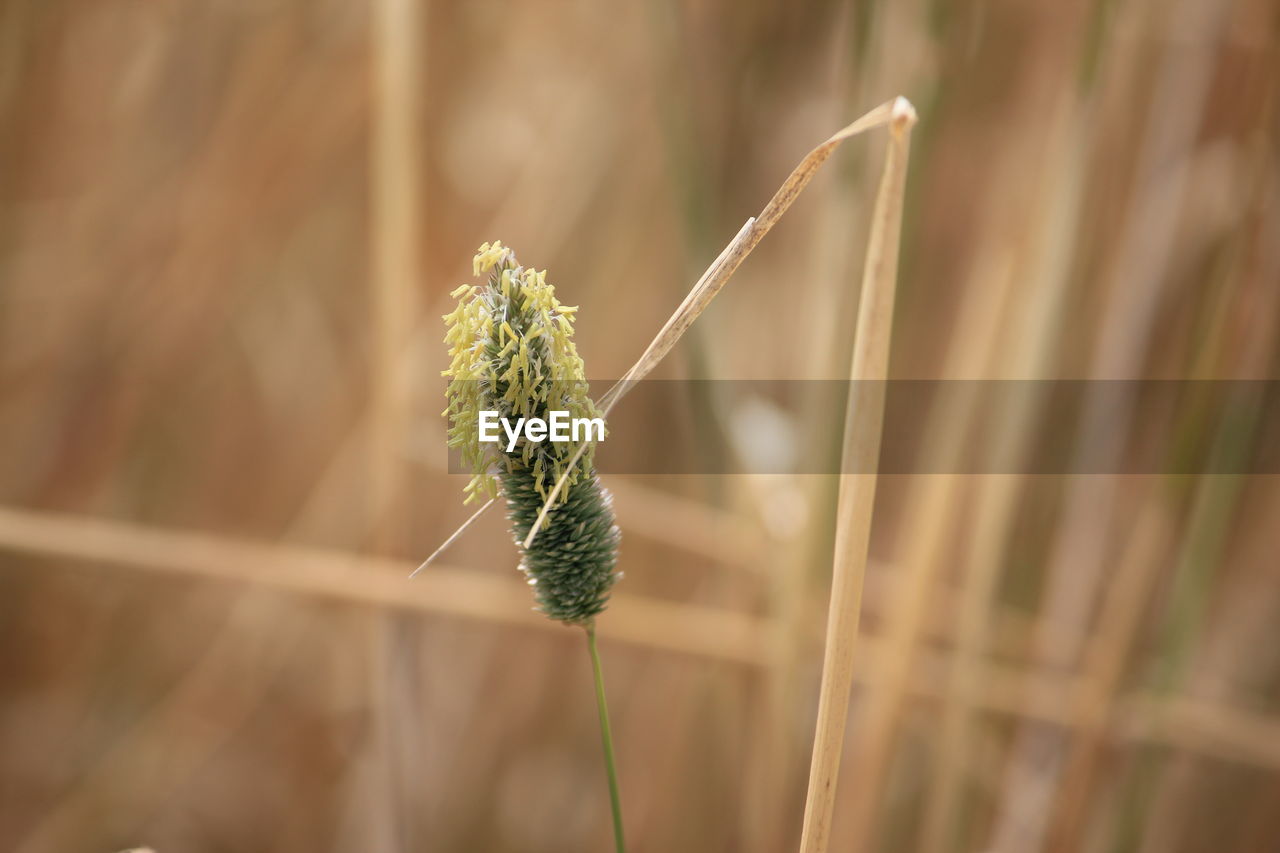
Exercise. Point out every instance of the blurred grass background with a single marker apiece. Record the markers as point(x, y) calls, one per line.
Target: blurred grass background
point(227, 231)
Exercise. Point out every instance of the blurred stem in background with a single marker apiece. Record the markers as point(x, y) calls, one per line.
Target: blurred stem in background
point(192, 392)
point(397, 219)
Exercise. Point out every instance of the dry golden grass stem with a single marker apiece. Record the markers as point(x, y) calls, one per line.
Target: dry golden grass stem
point(923, 549)
point(1136, 280)
point(396, 227)
point(453, 537)
point(354, 578)
point(678, 522)
point(361, 579)
point(1044, 280)
point(397, 224)
point(863, 421)
point(1207, 728)
point(1107, 656)
point(1239, 350)
point(718, 274)
point(723, 268)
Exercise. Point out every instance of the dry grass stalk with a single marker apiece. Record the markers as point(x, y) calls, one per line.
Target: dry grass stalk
point(716, 534)
point(361, 579)
point(1138, 276)
point(1207, 728)
point(724, 266)
point(396, 232)
point(453, 537)
point(720, 271)
point(923, 550)
point(718, 274)
point(858, 479)
point(1108, 653)
point(396, 229)
point(1045, 278)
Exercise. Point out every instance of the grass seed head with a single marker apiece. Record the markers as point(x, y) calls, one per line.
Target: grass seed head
point(511, 349)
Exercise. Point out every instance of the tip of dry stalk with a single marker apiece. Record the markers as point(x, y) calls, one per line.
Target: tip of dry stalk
point(903, 115)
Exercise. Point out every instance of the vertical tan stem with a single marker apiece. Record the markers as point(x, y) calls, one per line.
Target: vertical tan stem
point(857, 480)
point(395, 207)
point(397, 222)
point(896, 113)
point(1044, 279)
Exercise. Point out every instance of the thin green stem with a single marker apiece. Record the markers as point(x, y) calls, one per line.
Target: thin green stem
point(606, 738)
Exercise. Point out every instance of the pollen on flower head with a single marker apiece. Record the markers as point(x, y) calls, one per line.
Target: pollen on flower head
point(511, 350)
point(490, 256)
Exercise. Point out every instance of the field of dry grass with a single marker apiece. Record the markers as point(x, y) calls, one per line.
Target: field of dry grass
point(228, 231)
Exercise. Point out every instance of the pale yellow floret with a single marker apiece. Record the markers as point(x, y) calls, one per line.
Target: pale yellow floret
point(489, 256)
point(539, 366)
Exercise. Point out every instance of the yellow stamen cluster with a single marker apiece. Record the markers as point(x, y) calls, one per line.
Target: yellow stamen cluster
point(511, 348)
